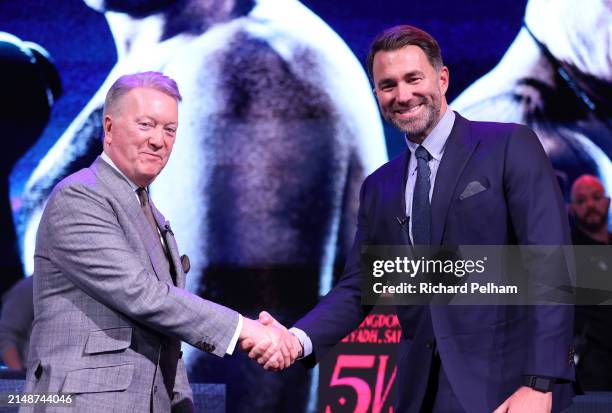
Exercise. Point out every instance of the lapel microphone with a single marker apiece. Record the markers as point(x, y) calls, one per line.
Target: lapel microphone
point(401, 221)
point(168, 229)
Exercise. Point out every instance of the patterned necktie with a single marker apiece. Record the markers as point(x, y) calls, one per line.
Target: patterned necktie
point(421, 209)
point(145, 204)
point(143, 196)
point(171, 347)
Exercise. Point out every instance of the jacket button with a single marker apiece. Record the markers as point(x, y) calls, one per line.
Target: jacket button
point(429, 344)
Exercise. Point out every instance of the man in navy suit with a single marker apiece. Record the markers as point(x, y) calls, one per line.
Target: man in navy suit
point(458, 183)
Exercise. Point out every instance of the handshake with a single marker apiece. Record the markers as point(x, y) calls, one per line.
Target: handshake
point(269, 342)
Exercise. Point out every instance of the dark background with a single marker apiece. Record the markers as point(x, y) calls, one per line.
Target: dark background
point(473, 36)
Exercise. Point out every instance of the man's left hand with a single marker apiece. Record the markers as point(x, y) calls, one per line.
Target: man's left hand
point(526, 400)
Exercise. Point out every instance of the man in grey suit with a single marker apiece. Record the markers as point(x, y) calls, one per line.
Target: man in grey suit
point(109, 299)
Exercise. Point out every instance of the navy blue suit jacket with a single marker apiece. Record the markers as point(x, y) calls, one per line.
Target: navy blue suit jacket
point(485, 351)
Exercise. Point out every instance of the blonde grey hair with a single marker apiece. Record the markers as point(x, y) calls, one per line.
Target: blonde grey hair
point(151, 80)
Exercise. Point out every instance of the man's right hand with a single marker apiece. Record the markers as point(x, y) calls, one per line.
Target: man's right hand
point(291, 346)
point(268, 344)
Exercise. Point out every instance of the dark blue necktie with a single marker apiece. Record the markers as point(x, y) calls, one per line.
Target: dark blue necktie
point(421, 209)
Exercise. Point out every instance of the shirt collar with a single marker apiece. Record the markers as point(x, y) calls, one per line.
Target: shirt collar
point(109, 161)
point(436, 140)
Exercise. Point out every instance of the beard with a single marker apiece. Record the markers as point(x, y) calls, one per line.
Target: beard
point(594, 221)
point(418, 127)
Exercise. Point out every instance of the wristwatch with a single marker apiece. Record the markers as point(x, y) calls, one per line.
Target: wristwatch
point(539, 383)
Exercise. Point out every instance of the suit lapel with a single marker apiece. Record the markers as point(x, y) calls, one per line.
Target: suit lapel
point(395, 194)
point(459, 148)
point(124, 194)
point(170, 242)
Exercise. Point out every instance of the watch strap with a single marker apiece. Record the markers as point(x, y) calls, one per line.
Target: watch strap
point(539, 383)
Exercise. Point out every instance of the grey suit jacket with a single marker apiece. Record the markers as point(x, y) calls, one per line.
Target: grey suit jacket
point(105, 303)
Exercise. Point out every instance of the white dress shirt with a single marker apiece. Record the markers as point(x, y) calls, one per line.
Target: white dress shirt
point(234, 340)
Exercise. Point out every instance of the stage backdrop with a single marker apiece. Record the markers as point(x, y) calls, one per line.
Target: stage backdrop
point(278, 128)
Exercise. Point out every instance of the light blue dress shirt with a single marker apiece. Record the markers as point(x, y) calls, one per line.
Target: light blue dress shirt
point(435, 143)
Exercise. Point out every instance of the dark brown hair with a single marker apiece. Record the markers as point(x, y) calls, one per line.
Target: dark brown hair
point(398, 37)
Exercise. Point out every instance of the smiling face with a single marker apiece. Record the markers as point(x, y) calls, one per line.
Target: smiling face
point(139, 133)
point(410, 91)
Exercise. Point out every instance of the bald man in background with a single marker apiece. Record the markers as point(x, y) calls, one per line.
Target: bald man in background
point(593, 323)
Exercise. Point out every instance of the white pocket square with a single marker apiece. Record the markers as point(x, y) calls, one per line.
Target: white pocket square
point(472, 189)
